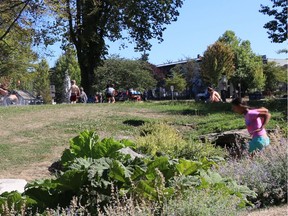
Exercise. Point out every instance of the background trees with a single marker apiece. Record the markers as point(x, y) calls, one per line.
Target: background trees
point(124, 73)
point(248, 66)
point(277, 28)
point(274, 76)
point(91, 22)
point(177, 80)
point(41, 82)
point(66, 63)
point(87, 24)
point(218, 60)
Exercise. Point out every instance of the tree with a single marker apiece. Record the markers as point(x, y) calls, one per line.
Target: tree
point(41, 83)
point(124, 73)
point(88, 23)
point(274, 76)
point(248, 66)
point(277, 28)
point(217, 60)
point(177, 80)
point(66, 63)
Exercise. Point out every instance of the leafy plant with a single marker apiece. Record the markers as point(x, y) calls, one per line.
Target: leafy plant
point(266, 173)
point(93, 168)
point(159, 138)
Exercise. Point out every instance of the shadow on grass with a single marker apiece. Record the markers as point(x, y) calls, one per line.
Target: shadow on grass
point(133, 122)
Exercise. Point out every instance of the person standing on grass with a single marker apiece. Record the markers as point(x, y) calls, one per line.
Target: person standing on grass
point(83, 96)
point(255, 120)
point(75, 92)
point(110, 93)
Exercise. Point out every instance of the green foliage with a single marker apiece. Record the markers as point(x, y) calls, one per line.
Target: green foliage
point(125, 74)
point(196, 150)
point(274, 76)
point(218, 60)
point(88, 145)
point(41, 80)
point(14, 200)
point(201, 203)
point(248, 66)
point(159, 138)
point(177, 79)
point(277, 28)
point(266, 173)
point(93, 168)
point(66, 63)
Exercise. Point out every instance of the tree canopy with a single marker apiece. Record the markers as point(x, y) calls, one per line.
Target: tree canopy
point(277, 28)
point(248, 66)
point(177, 79)
point(217, 60)
point(87, 24)
point(274, 76)
point(124, 73)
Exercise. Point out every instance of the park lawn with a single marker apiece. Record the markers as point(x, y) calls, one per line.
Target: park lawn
point(33, 137)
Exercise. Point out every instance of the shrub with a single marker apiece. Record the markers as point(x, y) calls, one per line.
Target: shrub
point(265, 173)
point(157, 138)
point(202, 203)
point(94, 167)
point(196, 150)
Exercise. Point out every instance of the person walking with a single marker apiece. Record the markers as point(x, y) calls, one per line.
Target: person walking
point(255, 120)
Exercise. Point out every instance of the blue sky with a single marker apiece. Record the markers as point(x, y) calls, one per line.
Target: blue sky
point(199, 25)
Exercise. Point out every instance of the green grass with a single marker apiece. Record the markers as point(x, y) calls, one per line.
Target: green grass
point(32, 135)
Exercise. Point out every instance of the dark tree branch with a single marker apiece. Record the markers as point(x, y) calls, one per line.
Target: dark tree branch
point(14, 21)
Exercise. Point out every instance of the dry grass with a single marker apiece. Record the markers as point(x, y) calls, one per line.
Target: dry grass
point(34, 137)
point(275, 211)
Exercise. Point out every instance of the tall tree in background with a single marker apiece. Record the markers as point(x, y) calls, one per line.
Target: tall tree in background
point(177, 80)
point(41, 83)
point(91, 22)
point(217, 60)
point(275, 75)
point(87, 24)
point(124, 73)
point(16, 54)
point(277, 28)
point(66, 63)
point(248, 66)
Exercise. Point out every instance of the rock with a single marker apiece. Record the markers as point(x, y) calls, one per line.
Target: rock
point(227, 138)
point(8, 185)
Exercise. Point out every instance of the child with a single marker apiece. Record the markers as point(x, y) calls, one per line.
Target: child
point(255, 120)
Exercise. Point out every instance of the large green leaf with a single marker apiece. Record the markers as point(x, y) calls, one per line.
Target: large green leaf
point(119, 172)
point(187, 167)
point(88, 145)
point(146, 190)
point(16, 200)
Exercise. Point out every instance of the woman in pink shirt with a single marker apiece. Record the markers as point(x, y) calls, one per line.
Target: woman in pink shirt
point(255, 120)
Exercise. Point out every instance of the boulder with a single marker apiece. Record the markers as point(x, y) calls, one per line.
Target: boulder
point(227, 138)
point(8, 185)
